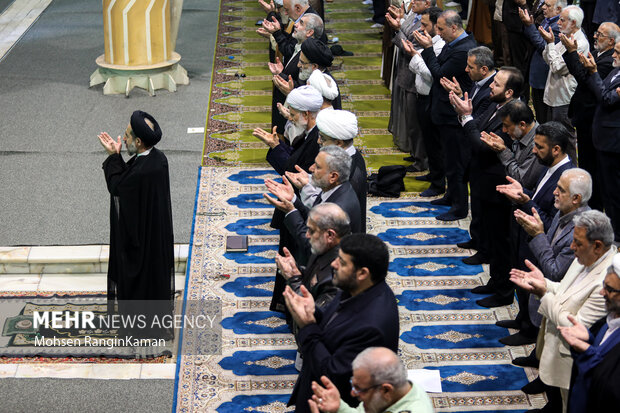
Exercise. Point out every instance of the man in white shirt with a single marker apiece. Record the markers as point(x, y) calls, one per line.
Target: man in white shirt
point(561, 84)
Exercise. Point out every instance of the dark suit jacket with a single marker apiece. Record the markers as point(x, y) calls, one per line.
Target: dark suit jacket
point(606, 123)
point(320, 266)
point(596, 389)
point(481, 101)
point(583, 103)
point(487, 170)
point(346, 327)
point(544, 200)
point(358, 180)
point(344, 197)
point(451, 62)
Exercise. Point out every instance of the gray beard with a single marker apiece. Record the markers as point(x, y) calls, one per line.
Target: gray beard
point(304, 74)
point(131, 149)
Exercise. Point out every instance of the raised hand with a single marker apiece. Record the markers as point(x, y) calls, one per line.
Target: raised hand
point(270, 139)
point(423, 38)
point(276, 68)
point(576, 336)
point(284, 86)
point(271, 26)
point(547, 36)
point(532, 281)
point(299, 179)
point(393, 22)
point(463, 107)
point(284, 111)
point(513, 191)
point(451, 86)
point(408, 48)
point(300, 307)
point(287, 265)
point(569, 42)
point(532, 224)
point(588, 62)
point(110, 145)
point(284, 191)
point(268, 7)
point(525, 17)
point(326, 397)
point(262, 32)
point(493, 141)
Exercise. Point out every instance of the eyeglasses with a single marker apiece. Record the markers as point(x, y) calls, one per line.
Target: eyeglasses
point(357, 391)
point(599, 34)
point(609, 289)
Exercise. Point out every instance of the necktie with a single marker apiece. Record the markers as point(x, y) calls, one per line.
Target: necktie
point(474, 90)
point(318, 200)
point(515, 147)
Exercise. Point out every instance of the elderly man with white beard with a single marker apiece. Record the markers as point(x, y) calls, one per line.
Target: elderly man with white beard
point(303, 103)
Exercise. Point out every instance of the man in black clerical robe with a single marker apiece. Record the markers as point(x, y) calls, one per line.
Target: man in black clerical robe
point(141, 265)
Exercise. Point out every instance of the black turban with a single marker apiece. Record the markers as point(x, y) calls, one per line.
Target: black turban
point(142, 130)
point(317, 52)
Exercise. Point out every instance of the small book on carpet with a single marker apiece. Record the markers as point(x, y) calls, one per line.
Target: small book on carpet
point(237, 243)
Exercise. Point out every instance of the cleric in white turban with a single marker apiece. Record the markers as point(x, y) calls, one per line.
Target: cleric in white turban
point(304, 98)
point(326, 85)
point(339, 127)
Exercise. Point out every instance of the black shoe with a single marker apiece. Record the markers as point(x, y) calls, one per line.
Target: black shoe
point(514, 324)
point(409, 159)
point(424, 178)
point(536, 386)
point(483, 289)
point(495, 301)
point(467, 245)
point(430, 192)
point(517, 339)
point(413, 168)
point(449, 216)
point(441, 201)
point(476, 259)
point(527, 361)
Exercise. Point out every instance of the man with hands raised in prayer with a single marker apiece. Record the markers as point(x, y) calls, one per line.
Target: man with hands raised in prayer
point(364, 314)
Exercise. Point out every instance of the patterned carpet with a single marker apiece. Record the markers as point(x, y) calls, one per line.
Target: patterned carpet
point(441, 325)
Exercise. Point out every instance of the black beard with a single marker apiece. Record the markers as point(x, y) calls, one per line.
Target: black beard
point(546, 161)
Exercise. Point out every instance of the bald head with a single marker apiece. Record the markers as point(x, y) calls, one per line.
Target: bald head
point(328, 216)
point(606, 37)
point(383, 365)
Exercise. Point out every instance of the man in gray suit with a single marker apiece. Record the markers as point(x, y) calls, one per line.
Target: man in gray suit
point(552, 250)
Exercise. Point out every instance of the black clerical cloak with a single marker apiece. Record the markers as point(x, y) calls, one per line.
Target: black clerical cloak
point(141, 239)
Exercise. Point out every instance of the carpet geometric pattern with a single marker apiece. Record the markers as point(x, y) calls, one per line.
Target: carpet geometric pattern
point(441, 325)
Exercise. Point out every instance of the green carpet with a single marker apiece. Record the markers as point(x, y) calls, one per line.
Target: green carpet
point(239, 104)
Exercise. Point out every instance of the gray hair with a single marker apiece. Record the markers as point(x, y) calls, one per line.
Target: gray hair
point(314, 22)
point(614, 30)
point(302, 3)
point(575, 14)
point(339, 161)
point(483, 56)
point(580, 183)
point(433, 3)
point(452, 17)
point(330, 216)
point(560, 4)
point(598, 226)
point(392, 371)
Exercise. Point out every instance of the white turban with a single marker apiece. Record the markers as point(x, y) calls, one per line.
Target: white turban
point(324, 84)
point(615, 265)
point(279, 3)
point(337, 124)
point(305, 98)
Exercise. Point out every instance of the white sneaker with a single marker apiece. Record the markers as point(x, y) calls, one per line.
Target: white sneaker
point(367, 2)
point(368, 19)
point(376, 26)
